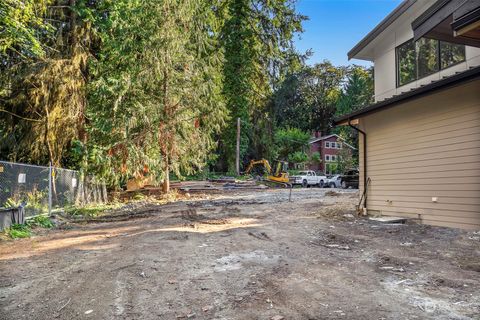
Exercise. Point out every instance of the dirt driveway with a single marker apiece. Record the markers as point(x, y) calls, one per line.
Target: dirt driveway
point(244, 255)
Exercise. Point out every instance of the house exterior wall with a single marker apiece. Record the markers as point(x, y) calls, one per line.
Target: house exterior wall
point(320, 147)
point(330, 152)
point(383, 53)
point(316, 147)
point(426, 148)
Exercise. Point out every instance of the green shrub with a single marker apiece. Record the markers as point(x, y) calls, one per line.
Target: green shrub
point(298, 157)
point(315, 157)
point(19, 231)
point(40, 221)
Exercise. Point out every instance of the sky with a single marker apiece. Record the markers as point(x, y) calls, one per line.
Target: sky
point(336, 26)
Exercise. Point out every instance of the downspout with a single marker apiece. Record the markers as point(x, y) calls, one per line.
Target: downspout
point(364, 159)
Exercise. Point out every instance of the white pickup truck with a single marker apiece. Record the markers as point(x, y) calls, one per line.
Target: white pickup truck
point(308, 178)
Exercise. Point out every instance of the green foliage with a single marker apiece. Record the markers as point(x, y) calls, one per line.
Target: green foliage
point(19, 231)
point(156, 101)
point(298, 157)
point(12, 202)
point(138, 196)
point(44, 72)
point(316, 157)
point(130, 88)
point(333, 168)
point(21, 23)
point(307, 99)
point(32, 200)
point(256, 36)
point(345, 160)
point(90, 211)
point(289, 141)
point(40, 221)
point(25, 230)
point(358, 90)
point(357, 93)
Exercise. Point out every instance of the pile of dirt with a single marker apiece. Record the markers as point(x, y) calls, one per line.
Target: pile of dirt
point(333, 241)
point(332, 193)
point(336, 212)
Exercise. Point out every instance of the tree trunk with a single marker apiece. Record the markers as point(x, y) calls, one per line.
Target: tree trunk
point(166, 181)
point(95, 190)
point(104, 192)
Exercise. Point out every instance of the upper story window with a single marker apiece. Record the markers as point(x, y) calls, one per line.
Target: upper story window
point(419, 59)
point(333, 145)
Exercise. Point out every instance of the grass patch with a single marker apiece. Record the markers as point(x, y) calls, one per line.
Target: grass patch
point(17, 231)
point(90, 211)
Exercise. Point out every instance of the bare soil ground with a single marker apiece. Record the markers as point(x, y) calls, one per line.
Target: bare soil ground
point(242, 255)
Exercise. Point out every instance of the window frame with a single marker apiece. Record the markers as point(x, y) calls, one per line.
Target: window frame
point(440, 58)
point(397, 69)
point(439, 62)
point(327, 158)
point(327, 144)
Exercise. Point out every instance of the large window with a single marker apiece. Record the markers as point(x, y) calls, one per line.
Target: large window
point(419, 59)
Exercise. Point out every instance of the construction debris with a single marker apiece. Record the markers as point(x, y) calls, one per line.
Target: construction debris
point(388, 219)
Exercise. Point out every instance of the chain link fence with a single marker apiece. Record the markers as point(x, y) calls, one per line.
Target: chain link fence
point(41, 190)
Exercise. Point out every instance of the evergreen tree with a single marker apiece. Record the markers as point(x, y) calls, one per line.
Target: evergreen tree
point(358, 90)
point(44, 74)
point(357, 93)
point(156, 100)
point(21, 24)
point(257, 39)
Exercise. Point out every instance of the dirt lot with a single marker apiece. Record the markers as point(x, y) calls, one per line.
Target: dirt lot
point(243, 255)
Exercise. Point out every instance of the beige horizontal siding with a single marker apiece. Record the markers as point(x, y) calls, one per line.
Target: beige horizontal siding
point(469, 142)
point(428, 147)
point(414, 169)
point(430, 188)
point(464, 135)
point(416, 128)
point(424, 198)
point(457, 194)
point(427, 204)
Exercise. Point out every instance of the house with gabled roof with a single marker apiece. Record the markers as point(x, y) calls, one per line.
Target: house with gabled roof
point(419, 145)
point(330, 148)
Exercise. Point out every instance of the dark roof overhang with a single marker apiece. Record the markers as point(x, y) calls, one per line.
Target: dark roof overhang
point(449, 82)
point(456, 21)
point(385, 23)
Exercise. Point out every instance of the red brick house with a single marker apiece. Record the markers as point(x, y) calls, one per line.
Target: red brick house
point(329, 148)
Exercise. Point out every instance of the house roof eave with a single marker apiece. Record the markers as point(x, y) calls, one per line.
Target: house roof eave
point(384, 24)
point(455, 80)
point(329, 136)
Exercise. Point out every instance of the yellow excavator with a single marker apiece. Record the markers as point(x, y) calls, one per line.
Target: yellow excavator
point(277, 174)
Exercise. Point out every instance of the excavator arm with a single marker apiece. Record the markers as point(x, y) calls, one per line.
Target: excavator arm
point(254, 163)
point(279, 176)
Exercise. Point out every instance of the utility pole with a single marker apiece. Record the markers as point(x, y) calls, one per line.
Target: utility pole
point(50, 173)
point(237, 163)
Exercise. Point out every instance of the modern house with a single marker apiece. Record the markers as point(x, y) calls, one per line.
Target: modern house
point(420, 140)
point(330, 148)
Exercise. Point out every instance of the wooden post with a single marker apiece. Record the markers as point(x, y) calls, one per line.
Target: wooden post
point(237, 163)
